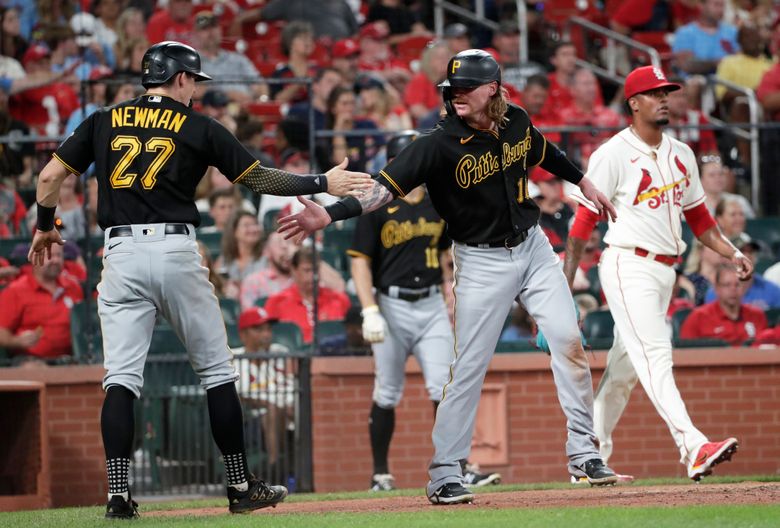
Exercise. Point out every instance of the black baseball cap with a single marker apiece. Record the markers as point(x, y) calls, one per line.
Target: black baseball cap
point(456, 30)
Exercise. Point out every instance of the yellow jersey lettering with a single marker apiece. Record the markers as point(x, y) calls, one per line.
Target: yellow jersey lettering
point(471, 171)
point(140, 116)
point(395, 233)
point(127, 117)
point(177, 122)
point(116, 117)
point(165, 118)
point(151, 117)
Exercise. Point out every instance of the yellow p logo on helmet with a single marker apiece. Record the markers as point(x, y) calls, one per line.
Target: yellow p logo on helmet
point(455, 65)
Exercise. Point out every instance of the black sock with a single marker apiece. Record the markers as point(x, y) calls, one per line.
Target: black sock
point(227, 428)
point(117, 423)
point(381, 424)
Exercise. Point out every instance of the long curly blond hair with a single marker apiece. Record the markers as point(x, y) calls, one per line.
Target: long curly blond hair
point(497, 107)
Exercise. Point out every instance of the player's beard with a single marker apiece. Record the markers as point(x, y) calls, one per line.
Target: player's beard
point(662, 122)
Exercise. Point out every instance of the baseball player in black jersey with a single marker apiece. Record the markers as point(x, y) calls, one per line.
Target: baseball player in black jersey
point(474, 164)
point(396, 250)
point(149, 154)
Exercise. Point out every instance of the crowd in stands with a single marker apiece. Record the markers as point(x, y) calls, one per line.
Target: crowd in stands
point(375, 67)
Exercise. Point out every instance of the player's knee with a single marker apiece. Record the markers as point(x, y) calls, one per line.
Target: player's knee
point(217, 374)
point(387, 399)
point(131, 382)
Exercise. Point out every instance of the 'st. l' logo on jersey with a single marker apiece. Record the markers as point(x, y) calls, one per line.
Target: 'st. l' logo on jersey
point(655, 196)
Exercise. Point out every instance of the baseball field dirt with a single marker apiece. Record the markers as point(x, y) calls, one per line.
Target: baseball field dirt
point(742, 493)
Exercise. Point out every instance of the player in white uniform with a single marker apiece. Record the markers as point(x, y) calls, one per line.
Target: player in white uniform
point(652, 179)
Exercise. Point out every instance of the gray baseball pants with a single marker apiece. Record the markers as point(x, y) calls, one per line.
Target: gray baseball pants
point(150, 273)
point(486, 282)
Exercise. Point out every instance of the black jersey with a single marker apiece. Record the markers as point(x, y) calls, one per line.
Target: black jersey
point(477, 179)
point(150, 153)
point(403, 241)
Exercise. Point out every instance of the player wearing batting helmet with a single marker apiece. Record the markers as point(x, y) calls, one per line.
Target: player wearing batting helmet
point(653, 180)
point(150, 153)
point(474, 164)
point(396, 250)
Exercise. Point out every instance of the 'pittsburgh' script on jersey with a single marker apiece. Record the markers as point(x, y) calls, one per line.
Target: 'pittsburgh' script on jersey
point(394, 232)
point(471, 171)
point(129, 116)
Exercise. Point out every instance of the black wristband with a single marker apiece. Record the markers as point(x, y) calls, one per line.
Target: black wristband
point(345, 208)
point(323, 182)
point(45, 218)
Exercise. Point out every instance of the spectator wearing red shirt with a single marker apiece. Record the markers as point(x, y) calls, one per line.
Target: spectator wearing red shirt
point(422, 95)
point(172, 23)
point(564, 60)
point(587, 110)
point(555, 214)
point(28, 106)
point(296, 303)
point(35, 310)
point(535, 100)
point(725, 318)
point(376, 55)
point(681, 114)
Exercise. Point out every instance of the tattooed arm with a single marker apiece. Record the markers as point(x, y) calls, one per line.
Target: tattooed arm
point(315, 217)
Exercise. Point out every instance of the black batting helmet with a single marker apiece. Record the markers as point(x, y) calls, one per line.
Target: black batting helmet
point(468, 69)
point(399, 142)
point(165, 59)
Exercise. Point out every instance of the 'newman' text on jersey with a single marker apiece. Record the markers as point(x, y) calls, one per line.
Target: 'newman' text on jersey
point(471, 171)
point(129, 116)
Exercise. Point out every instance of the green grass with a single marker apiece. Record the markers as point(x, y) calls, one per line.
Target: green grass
point(433, 517)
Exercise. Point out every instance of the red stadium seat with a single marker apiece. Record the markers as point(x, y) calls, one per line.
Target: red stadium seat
point(269, 113)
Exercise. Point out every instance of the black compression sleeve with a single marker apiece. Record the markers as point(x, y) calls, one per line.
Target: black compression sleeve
point(345, 208)
point(556, 162)
point(265, 180)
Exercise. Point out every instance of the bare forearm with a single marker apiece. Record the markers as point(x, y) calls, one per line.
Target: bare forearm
point(574, 249)
point(714, 239)
point(7, 339)
point(49, 182)
point(363, 279)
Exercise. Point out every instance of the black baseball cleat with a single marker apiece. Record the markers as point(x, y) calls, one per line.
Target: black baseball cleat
point(119, 508)
point(598, 473)
point(259, 495)
point(451, 493)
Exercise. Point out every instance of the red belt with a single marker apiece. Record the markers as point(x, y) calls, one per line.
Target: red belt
point(669, 260)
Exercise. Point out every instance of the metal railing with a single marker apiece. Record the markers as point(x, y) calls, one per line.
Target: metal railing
point(174, 453)
point(749, 133)
point(613, 38)
point(478, 17)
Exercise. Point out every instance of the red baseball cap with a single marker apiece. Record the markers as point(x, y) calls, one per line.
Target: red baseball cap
point(374, 30)
point(645, 79)
point(254, 316)
point(34, 53)
point(345, 48)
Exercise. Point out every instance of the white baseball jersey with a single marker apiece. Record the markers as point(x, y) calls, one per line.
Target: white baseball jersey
point(650, 188)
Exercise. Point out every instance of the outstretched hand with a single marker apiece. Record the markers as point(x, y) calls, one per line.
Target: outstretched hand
point(41, 245)
point(598, 199)
point(301, 225)
point(342, 182)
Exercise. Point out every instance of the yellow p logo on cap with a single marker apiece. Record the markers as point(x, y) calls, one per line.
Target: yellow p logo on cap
point(455, 65)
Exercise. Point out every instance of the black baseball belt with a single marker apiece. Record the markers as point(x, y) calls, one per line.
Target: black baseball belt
point(508, 242)
point(409, 294)
point(170, 229)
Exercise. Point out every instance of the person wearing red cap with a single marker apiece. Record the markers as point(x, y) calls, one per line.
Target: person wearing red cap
point(345, 54)
point(653, 180)
point(265, 382)
point(555, 213)
point(376, 55)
